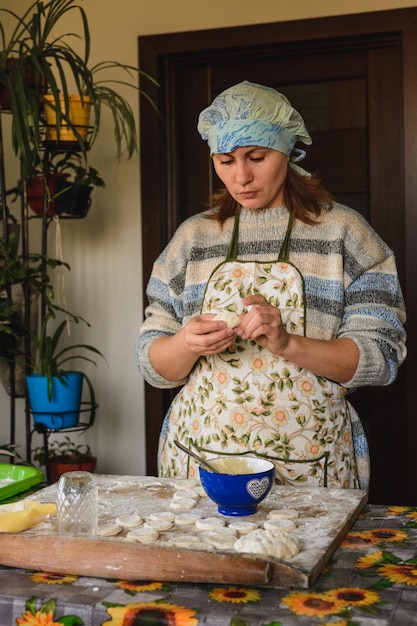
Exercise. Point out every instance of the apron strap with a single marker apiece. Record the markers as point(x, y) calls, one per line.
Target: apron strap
point(284, 254)
point(232, 251)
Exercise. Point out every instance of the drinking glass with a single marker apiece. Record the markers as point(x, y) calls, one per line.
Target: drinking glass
point(77, 504)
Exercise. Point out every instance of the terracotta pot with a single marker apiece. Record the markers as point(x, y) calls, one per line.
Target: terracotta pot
point(57, 467)
point(79, 114)
point(36, 193)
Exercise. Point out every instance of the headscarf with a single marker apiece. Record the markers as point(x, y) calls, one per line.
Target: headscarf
point(249, 114)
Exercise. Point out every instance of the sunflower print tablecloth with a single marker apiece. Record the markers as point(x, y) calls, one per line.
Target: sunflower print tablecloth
point(370, 581)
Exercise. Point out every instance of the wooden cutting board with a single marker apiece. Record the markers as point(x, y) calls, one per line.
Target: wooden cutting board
point(325, 516)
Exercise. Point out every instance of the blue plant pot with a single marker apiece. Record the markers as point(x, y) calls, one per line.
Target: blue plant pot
point(63, 410)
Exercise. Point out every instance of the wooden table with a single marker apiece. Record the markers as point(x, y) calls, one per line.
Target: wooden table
point(370, 579)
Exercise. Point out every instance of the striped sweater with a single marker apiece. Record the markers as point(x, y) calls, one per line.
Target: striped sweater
point(351, 283)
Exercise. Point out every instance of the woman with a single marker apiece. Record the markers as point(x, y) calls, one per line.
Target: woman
point(320, 308)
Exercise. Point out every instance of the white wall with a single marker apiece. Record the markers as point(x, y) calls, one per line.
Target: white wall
point(104, 250)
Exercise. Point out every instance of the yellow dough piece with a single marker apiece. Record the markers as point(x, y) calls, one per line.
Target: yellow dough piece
point(23, 515)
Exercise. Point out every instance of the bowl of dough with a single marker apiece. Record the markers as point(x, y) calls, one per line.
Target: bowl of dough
point(242, 482)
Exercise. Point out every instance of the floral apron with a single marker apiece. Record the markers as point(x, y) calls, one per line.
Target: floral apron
point(246, 400)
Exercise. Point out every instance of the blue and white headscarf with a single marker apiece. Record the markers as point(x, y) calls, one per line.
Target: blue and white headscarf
point(249, 114)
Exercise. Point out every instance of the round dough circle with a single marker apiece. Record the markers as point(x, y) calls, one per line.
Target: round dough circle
point(283, 514)
point(186, 494)
point(186, 483)
point(219, 539)
point(142, 535)
point(182, 503)
point(108, 530)
point(184, 541)
point(165, 516)
point(280, 524)
point(129, 521)
point(158, 524)
point(243, 527)
point(184, 519)
point(209, 523)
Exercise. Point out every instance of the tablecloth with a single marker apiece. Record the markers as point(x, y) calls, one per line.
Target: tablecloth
point(371, 580)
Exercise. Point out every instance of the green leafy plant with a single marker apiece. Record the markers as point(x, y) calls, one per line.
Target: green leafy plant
point(34, 59)
point(65, 451)
point(50, 357)
point(75, 165)
point(33, 48)
point(32, 271)
point(10, 450)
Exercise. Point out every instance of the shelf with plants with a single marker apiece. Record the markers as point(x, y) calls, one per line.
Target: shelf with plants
point(38, 64)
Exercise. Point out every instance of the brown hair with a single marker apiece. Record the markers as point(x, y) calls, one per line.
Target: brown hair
point(304, 196)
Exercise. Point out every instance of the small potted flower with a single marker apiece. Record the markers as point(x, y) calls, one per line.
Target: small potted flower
point(64, 456)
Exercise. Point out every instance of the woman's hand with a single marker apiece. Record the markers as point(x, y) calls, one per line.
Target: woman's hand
point(205, 336)
point(336, 359)
point(174, 356)
point(263, 324)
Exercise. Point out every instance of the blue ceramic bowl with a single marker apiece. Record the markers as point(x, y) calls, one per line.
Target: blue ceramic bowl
point(238, 494)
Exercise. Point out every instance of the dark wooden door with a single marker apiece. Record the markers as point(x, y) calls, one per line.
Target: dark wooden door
point(349, 78)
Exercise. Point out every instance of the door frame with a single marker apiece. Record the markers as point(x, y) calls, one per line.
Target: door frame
point(162, 57)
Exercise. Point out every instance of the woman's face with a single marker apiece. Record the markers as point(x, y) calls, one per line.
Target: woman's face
point(254, 176)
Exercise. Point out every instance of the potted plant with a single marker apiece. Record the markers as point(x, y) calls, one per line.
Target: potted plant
point(69, 183)
point(54, 393)
point(64, 456)
point(34, 43)
point(33, 48)
point(74, 195)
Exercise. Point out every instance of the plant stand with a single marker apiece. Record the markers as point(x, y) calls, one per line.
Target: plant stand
point(49, 149)
point(87, 408)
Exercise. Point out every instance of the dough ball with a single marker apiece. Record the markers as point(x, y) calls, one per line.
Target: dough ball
point(279, 545)
point(232, 319)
